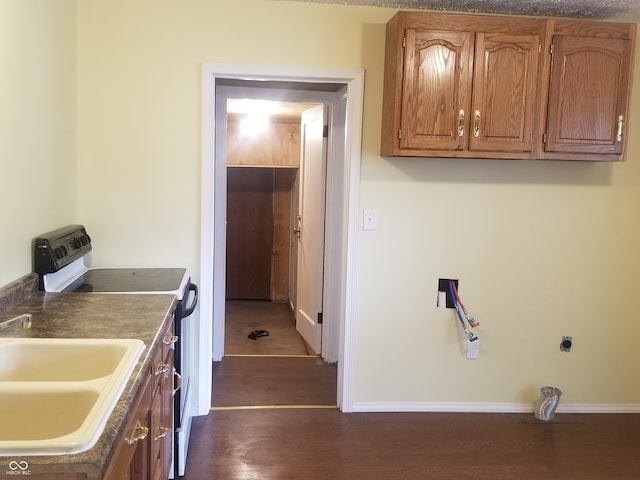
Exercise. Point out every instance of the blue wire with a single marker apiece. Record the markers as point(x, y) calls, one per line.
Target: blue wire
point(455, 303)
point(470, 336)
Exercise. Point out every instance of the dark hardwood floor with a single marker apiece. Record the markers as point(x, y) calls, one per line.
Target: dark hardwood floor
point(319, 444)
point(264, 381)
point(289, 440)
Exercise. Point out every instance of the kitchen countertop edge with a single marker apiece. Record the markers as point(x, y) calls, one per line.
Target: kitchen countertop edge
point(72, 315)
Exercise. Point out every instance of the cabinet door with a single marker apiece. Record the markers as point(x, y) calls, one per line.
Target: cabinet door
point(161, 422)
point(437, 87)
point(504, 92)
point(131, 459)
point(588, 95)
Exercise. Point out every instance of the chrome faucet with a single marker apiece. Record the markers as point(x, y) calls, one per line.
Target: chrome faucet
point(26, 320)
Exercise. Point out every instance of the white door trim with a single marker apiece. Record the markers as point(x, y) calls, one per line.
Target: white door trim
point(212, 259)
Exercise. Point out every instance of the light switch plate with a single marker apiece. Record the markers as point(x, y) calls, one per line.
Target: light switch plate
point(370, 219)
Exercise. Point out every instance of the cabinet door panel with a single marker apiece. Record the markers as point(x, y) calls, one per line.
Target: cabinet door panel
point(504, 92)
point(437, 85)
point(587, 96)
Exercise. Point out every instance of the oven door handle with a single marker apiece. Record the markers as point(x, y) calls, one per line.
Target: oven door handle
point(189, 310)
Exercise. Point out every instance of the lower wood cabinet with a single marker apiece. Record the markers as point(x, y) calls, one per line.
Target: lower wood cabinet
point(144, 450)
point(161, 419)
point(130, 461)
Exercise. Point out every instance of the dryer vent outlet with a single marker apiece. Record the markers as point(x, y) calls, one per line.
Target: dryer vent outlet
point(566, 344)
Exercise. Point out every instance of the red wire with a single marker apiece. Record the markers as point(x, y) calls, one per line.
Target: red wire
point(455, 292)
point(459, 301)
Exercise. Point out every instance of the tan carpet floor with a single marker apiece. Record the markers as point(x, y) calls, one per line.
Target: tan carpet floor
point(246, 316)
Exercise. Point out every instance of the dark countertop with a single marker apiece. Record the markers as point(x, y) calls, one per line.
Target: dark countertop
point(93, 315)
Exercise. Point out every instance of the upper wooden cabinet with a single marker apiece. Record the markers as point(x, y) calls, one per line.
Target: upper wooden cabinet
point(590, 80)
point(477, 87)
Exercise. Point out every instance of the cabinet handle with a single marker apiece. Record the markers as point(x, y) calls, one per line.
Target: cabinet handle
point(170, 339)
point(162, 368)
point(162, 432)
point(178, 382)
point(461, 123)
point(620, 124)
point(139, 432)
point(476, 123)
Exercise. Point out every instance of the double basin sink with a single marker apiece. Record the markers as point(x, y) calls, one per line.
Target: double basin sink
point(56, 394)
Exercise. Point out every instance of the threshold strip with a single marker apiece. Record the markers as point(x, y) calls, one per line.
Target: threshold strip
point(275, 407)
point(282, 356)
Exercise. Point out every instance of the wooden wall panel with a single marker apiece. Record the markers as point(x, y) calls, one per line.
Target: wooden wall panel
point(259, 212)
point(257, 196)
point(249, 233)
point(278, 146)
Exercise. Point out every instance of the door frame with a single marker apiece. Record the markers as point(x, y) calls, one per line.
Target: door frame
point(343, 182)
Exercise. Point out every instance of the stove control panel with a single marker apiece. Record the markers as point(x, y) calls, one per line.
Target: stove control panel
point(56, 249)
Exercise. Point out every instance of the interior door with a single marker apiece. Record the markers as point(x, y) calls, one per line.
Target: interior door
point(310, 227)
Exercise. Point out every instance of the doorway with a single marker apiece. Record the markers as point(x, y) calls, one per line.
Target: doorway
point(270, 171)
point(342, 205)
point(276, 156)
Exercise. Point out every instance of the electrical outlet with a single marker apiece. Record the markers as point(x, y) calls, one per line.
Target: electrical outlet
point(473, 350)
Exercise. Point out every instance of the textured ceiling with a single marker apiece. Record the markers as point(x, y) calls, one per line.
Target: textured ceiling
point(628, 10)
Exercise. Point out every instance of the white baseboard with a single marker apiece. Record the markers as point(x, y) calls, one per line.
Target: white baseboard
point(488, 407)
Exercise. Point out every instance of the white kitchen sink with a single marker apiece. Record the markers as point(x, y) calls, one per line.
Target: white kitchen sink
point(56, 395)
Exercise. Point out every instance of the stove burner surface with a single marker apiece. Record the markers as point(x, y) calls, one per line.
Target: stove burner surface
point(128, 280)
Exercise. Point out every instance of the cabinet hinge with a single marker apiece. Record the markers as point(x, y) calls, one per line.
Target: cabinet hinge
point(544, 138)
point(551, 49)
point(400, 134)
point(325, 131)
point(404, 42)
point(319, 318)
point(539, 48)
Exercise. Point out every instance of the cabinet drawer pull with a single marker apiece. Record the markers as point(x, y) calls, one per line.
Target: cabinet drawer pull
point(162, 368)
point(620, 125)
point(170, 339)
point(162, 432)
point(476, 123)
point(139, 432)
point(461, 123)
point(178, 382)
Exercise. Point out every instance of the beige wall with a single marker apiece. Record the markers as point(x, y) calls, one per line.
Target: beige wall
point(37, 125)
point(541, 249)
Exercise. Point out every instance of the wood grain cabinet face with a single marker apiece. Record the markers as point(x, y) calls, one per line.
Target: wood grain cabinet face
point(441, 110)
point(131, 459)
point(437, 85)
point(464, 92)
point(144, 450)
point(588, 95)
point(503, 109)
point(489, 87)
point(162, 421)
